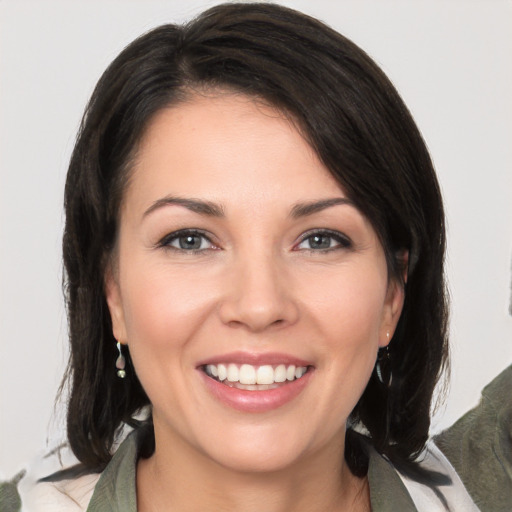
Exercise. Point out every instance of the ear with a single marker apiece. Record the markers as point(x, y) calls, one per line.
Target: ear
point(393, 306)
point(115, 305)
point(403, 260)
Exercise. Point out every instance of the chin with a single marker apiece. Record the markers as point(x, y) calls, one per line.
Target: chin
point(262, 449)
point(257, 461)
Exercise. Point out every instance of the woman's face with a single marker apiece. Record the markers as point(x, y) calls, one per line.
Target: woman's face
point(253, 295)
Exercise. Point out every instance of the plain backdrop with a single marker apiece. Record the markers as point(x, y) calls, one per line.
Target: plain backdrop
point(451, 61)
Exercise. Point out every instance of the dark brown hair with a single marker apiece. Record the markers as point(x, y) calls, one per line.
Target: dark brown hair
point(352, 116)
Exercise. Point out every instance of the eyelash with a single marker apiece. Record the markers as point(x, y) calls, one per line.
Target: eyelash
point(342, 241)
point(166, 241)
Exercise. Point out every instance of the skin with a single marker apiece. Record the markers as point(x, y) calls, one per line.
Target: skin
point(257, 284)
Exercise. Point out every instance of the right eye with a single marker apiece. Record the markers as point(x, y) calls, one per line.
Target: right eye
point(187, 241)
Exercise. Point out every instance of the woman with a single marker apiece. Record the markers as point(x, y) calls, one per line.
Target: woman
point(254, 251)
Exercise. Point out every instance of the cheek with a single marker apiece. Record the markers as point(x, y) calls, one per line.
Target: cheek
point(348, 315)
point(162, 306)
point(349, 306)
point(164, 309)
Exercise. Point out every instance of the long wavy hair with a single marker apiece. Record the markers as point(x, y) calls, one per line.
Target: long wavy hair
point(353, 118)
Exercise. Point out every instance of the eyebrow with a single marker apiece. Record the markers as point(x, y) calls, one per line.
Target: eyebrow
point(215, 210)
point(305, 209)
point(194, 205)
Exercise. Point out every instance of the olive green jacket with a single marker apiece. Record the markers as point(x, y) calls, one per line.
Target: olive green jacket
point(479, 446)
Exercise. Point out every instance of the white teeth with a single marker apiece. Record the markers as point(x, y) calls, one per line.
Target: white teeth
point(265, 375)
point(233, 373)
point(280, 373)
point(254, 376)
point(222, 372)
point(299, 372)
point(247, 374)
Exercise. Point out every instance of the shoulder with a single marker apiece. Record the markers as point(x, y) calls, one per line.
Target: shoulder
point(439, 488)
point(479, 446)
point(71, 488)
point(433, 486)
point(55, 482)
point(71, 495)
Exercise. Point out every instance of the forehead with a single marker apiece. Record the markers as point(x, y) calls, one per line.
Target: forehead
point(228, 146)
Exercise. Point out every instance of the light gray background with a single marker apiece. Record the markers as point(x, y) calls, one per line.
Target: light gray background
point(449, 59)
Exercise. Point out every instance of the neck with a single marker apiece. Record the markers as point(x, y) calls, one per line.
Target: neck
point(178, 478)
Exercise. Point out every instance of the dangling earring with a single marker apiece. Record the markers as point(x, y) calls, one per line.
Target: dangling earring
point(381, 366)
point(120, 363)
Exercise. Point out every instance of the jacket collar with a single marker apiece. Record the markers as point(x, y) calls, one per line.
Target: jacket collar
point(116, 488)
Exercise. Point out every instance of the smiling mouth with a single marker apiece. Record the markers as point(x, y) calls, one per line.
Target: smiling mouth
point(255, 378)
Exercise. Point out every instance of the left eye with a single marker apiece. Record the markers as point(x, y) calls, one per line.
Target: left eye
point(323, 241)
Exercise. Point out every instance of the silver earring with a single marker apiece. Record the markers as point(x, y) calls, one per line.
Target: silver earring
point(382, 366)
point(120, 363)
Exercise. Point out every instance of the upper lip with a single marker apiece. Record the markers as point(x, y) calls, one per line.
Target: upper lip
point(255, 359)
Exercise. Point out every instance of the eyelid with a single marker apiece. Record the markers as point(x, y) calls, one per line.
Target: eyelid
point(166, 240)
point(343, 240)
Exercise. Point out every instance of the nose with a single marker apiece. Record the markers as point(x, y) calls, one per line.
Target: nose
point(258, 295)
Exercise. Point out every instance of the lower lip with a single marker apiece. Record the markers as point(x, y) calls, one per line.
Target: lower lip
point(256, 401)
